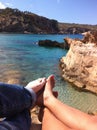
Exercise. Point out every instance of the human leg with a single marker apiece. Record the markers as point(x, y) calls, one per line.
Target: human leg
point(15, 102)
point(14, 98)
point(21, 121)
point(72, 117)
point(50, 122)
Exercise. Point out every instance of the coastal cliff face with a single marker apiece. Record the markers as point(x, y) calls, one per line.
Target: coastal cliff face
point(79, 67)
point(13, 20)
point(16, 21)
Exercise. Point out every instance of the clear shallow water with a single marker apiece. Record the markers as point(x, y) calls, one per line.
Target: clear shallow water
point(22, 58)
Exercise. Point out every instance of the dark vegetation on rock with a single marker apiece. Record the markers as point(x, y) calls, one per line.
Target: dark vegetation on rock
point(13, 20)
point(67, 28)
point(16, 21)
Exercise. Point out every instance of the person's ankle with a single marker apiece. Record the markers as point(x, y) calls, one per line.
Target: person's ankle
point(47, 99)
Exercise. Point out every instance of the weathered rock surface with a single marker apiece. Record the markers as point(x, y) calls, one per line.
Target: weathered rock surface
point(69, 41)
point(79, 67)
point(90, 37)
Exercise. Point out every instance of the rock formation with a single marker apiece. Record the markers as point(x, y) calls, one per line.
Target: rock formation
point(50, 43)
point(16, 21)
point(13, 20)
point(90, 37)
point(69, 41)
point(79, 67)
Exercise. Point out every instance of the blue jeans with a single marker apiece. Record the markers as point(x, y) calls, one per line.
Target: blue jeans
point(21, 121)
point(15, 103)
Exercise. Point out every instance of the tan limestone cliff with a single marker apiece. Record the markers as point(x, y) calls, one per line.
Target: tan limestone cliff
point(79, 67)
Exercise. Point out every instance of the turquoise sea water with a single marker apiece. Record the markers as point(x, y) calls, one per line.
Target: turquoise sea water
point(23, 59)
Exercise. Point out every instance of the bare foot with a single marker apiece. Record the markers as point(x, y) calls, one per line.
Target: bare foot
point(41, 111)
point(36, 85)
point(48, 91)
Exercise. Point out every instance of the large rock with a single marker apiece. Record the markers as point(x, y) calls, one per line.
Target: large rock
point(79, 67)
point(50, 43)
point(90, 37)
point(69, 41)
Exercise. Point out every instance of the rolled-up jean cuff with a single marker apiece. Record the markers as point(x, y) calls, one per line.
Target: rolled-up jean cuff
point(33, 94)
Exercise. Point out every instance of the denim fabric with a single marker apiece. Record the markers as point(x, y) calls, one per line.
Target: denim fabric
point(14, 99)
point(15, 102)
point(21, 121)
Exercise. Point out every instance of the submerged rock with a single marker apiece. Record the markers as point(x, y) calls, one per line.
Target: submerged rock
point(11, 77)
point(79, 67)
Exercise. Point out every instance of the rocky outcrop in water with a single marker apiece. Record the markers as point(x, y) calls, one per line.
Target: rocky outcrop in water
point(79, 66)
point(50, 43)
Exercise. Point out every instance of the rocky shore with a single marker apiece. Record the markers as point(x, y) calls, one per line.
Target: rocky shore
point(79, 66)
